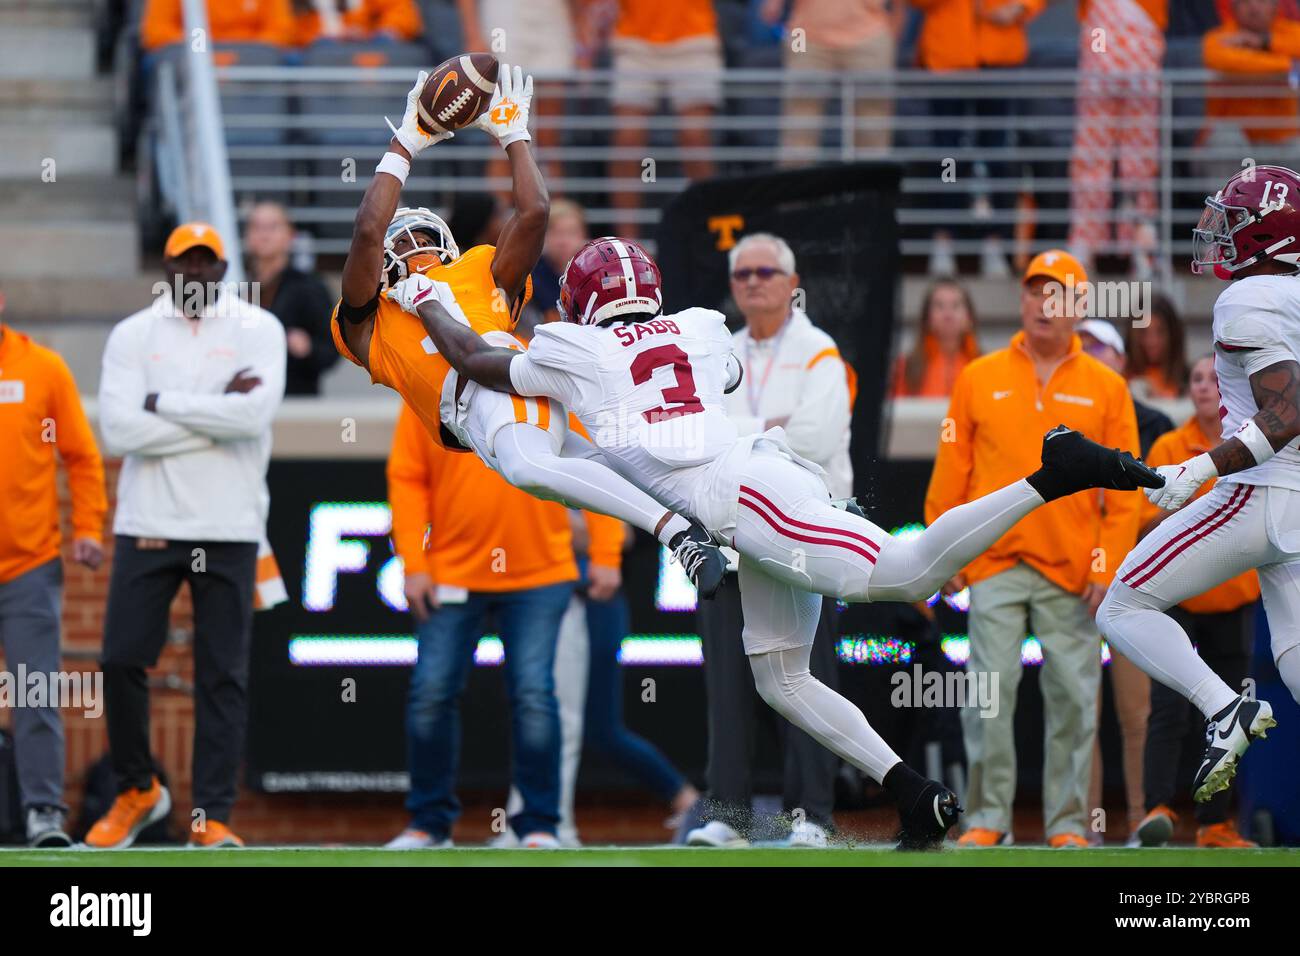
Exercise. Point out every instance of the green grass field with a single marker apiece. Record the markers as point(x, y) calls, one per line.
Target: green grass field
point(651, 856)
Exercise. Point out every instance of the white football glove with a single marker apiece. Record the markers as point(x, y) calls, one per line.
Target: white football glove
point(409, 134)
point(507, 117)
point(418, 288)
point(1181, 481)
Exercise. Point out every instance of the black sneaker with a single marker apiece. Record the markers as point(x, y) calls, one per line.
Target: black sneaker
point(927, 821)
point(1227, 735)
point(701, 558)
point(1074, 463)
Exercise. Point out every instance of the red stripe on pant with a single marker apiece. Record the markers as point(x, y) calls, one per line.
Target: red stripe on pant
point(1190, 529)
point(759, 510)
point(1191, 541)
point(758, 495)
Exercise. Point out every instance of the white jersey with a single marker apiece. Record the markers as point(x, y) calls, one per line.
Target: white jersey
point(1256, 324)
point(650, 394)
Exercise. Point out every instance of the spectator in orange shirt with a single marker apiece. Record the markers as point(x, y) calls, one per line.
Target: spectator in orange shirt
point(973, 35)
point(1219, 622)
point(356, 21)
point(945, 345)
point(237, 21)
point(663, 48)
point(492, 550)
point(1053, 567)
point(1156, 353)
point(41, 415)
point(1256, 47)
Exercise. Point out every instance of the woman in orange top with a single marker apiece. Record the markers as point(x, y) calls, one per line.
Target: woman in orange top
point(1157, 353)
point(1220, 623)
point(356, 20)
point(245, 21)
point(945, 345)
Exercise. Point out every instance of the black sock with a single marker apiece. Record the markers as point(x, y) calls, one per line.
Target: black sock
point(904, 784)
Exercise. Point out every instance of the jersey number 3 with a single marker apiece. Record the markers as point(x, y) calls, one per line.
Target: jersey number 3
point(682, 395)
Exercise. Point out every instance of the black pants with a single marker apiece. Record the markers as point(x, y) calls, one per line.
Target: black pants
point(1175, 727)
point(145, 579)
point(810, 768)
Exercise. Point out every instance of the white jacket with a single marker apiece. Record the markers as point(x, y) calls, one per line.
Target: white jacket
point(196, 468)
point(797, 374)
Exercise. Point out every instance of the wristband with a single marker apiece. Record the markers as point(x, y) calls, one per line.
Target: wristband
point(519, 135)
point(1254, 439)
point(396, 165)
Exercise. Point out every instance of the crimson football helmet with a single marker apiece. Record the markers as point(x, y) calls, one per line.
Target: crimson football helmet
point(607, 278)
point(1255, 216)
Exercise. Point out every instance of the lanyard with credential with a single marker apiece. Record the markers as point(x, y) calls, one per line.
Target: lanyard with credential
point(756, 397)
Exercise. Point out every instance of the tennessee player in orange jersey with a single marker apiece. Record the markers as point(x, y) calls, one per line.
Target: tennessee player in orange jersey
point(525, 440)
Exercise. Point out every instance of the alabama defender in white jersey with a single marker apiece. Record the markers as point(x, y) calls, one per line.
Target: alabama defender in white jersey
point(649, 389)
point(1250, 234)
point(522, 439)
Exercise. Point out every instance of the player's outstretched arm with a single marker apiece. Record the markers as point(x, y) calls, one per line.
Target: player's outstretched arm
point(364, 267)
point(463, 348)
point(1277, 423)
point(520, 243)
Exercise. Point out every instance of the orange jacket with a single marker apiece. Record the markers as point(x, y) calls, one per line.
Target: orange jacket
point(398, 17)
point(40, 411)
point(940, 373)
point(1172, 448)
point(955, 37)
point(232, 21)
point(462, 524)
point(1283, 47)
point(1157, 10)
point(998, 415)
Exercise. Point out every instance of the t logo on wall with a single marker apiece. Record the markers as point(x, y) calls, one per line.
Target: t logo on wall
point(335, 545)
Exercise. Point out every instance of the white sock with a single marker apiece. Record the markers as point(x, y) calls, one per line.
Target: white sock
point(913, 570)
point(1288, 665)
point(527, 461)
point(785, 682)
point(1154, 642)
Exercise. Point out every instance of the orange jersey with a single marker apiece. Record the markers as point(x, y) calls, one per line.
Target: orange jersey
point(401, 354)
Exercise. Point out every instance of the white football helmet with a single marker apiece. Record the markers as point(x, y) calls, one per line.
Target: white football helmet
point(429, 235)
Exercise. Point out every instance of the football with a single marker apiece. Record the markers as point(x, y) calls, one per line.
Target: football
point(457, 92)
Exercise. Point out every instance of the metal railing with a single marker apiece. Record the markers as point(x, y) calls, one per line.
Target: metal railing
point(311, 135)
point(190, 147)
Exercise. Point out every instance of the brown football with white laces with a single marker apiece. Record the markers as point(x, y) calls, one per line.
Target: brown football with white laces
point(457, 92)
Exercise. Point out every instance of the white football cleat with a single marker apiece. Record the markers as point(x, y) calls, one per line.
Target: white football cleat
point(715, 833)
point(1227, 735)
point(805, 833)
point(540, 841)
point(413, 839)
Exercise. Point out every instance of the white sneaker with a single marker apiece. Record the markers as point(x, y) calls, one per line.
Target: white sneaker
point(541, 841)
point(805, 833)
point(715, 833)
point(45, 828)
point(413, 839)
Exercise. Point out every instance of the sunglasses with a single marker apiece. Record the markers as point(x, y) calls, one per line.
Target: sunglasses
point(763, 272)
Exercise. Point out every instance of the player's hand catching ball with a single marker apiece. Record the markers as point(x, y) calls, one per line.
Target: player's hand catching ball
point(507, 117)
point(418, 288)
point(1181, 481)
point(409, 134)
